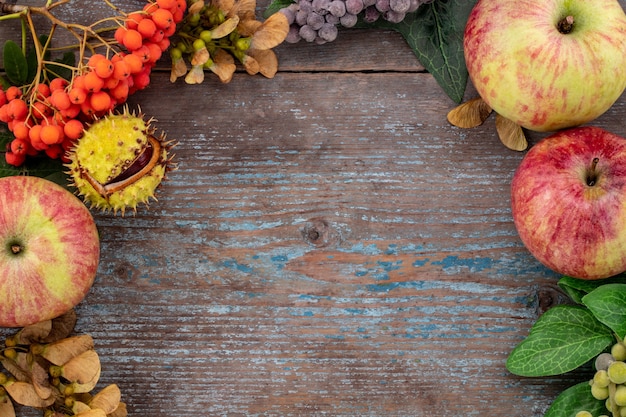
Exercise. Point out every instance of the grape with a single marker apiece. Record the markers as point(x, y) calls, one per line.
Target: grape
point(319, 20)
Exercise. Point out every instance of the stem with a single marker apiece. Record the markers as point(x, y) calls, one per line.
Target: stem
point(566, 25)
point(592, 174)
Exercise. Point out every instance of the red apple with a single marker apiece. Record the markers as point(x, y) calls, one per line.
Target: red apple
point(50, 250)
point(568, 199)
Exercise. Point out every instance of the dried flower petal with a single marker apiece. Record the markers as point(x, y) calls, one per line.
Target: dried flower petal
point(511, 134)
point(470, 114)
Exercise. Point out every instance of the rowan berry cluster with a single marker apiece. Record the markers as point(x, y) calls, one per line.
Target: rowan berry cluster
point(48, 116)
point(609, 381)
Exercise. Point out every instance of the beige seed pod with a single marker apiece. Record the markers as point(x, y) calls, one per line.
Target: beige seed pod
point(6, 407)
point(120, 411)
point(470, 114)
point(91, 413)
point(34, 333)
point(78, 388)
point(12, 366)
point(107, 399)
point(24, 393)
point(82, 368)
point(80, 407)
point(62, 327)
point(62, 351)
point(40, 381)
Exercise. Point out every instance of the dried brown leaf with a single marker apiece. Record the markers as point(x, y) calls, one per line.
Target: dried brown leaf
point(470, 114)
point(108, 399)
point(34, 333)
point(62, 351)
point(82, 368)
point(62, 327)
point(120, 411)
point(24, 393)
point(13, 367)
point(40, 380)
point(271, 33)
point(225, 28)
point(6, 407)
point(511, 134)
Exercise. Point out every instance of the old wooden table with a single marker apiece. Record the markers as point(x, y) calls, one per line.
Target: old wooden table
point(329, 245)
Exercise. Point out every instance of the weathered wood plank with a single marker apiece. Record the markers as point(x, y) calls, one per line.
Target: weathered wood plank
point(329, 245)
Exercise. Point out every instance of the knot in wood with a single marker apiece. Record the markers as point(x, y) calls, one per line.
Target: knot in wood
point(319, 233)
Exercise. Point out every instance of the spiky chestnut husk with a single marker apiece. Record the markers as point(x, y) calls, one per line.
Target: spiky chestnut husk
point(118, 163)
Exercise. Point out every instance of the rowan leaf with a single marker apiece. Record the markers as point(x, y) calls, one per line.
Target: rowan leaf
point(15, 63)
point(608, 304)
point(574, 399)
point(563, 338)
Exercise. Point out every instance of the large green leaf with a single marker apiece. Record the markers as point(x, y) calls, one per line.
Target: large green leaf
point(563, 338)
point(575, 399)
point(15, 63)
point(435, 34)
point(576, 289)
point(608, 304)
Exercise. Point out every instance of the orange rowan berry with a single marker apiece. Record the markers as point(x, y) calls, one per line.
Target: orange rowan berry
point(51, 134)
point(164, 44)
point(41, 110)
point(55, 151)
point(135, 64)
point(169, 31)
point(43, 91)
point(120, 92)
point(13, 92)
point(163, 18)
point(77, 95)
point(87, 110)
point(20, 130)
point(4, 115)
point(17, 109)
point(158, 36)
point(119, 34)
point(100, 101)
point(58, 84)
point(155, 51)
point(150, 8)
point(133, 20)
point(110, 83)
point(78, 81)
point(141, 80)
point(93, 82)
point(14, 159)
point(35, 138)
point(60, 99)
point(132, 40)
point(3, 98)
point(143, 53)
point(73, 129)
point(20, 146)
point(71, 112)
point(147, 28)
point(104, 68)
point(167, 4)
point(121, 71)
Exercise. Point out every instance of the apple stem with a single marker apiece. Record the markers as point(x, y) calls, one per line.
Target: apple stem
point(592, 175)
point(566, 25)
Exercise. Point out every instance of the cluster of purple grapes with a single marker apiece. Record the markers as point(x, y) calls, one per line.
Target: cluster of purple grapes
point(318, 20)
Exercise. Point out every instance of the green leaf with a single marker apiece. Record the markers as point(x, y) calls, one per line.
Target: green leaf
point(575, 399)
point(435, 34)
point(275, 6)
point(608, 304)
point(15, 63)
point(563, 338)
point(576, 289)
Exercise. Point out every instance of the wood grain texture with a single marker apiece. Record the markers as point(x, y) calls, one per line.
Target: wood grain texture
point(329, 245)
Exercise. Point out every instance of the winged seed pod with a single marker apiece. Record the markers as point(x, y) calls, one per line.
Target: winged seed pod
point(24, 393)
point(62, 351)
point(6, 406)
point(94, 412)
point(82, 368)
point(108, 399)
